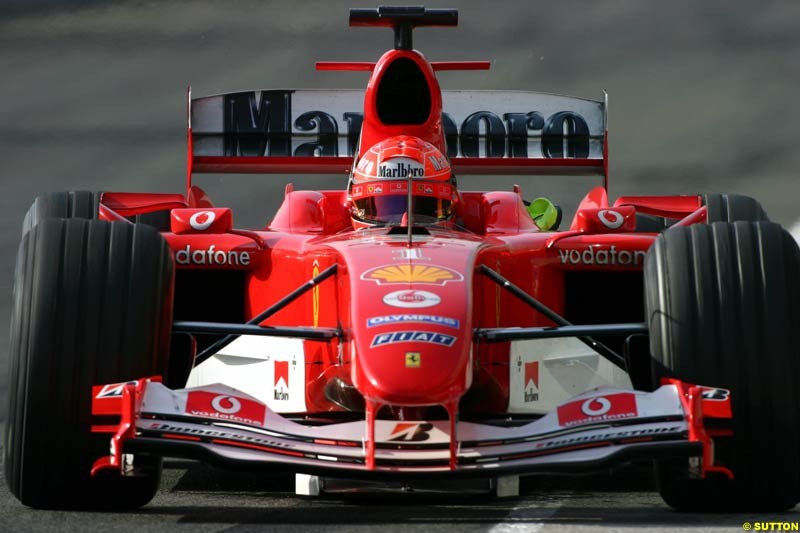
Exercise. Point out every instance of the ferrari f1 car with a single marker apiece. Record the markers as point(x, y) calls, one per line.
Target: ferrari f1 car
point(401, 328)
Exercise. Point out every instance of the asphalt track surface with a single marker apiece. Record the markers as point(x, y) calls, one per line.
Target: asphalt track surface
point(702, 99)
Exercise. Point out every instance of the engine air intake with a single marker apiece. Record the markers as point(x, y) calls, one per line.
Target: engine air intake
point(403, 95)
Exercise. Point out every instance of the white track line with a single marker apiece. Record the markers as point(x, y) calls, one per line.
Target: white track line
point(516, 522)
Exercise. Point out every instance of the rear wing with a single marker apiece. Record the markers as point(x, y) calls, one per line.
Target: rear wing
point(318, 131)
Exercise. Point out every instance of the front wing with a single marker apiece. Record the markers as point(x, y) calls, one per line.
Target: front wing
point(218, 424)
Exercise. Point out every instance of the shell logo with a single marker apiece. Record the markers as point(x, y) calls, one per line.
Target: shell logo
point(430, 274)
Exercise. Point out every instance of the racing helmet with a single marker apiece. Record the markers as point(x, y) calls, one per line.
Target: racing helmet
point(378, 189)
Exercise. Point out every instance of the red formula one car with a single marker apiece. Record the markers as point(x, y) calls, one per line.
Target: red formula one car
point(404, 329)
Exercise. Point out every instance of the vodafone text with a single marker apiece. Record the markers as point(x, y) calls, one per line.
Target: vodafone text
point(211, 256)
point(611, 256)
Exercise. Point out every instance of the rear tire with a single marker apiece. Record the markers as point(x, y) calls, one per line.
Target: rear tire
point(92, 305)
point(723, 306)
point(733, 208)
point(72, 204)
point(82, 204)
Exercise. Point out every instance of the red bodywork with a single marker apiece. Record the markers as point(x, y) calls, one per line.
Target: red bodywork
point(407, 366)
point(312, 231)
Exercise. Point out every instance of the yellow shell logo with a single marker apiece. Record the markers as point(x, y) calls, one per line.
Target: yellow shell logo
point(389, 274)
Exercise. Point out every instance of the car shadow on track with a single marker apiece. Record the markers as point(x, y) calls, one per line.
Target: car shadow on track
point(624, 498)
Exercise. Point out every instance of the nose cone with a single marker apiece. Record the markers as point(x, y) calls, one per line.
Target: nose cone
point(413, 356)
point(411, 321)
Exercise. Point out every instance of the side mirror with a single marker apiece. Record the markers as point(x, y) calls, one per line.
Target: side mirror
point(545, 214)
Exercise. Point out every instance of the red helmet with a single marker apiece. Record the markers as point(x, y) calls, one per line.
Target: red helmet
point(379, 185)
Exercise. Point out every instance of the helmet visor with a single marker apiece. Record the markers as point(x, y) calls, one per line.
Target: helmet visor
point(389, 209)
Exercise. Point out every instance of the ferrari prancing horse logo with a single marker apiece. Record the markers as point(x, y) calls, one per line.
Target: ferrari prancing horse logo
point(429, 274)
point(413, 359)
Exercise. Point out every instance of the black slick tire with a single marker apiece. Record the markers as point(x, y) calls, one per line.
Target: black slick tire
point(92, 305)
point(723, 306)
point(733, 208)
point(72, 204)
point(82, 204)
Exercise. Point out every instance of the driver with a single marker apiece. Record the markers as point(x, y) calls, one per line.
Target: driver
point(378, 189)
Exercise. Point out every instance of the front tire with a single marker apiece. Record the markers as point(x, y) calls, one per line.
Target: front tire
point(723, 306)
point(92, 305)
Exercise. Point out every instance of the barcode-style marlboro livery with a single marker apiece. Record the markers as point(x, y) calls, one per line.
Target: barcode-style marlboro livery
point(404, 327)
